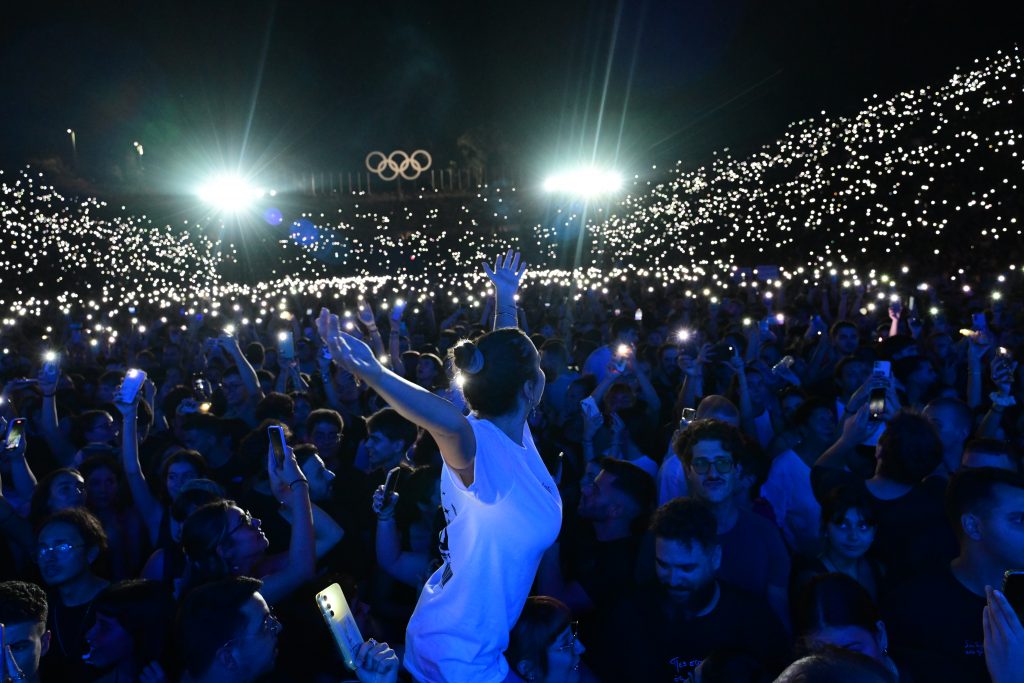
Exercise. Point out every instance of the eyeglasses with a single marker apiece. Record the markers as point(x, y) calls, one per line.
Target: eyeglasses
point(574, 634)
point(247, 520)
point(271, 626)
point(44, 551)
point(721, 465)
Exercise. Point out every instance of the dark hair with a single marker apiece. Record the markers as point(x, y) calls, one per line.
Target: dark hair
point(961, 411)
point(909, 448)
point(839, 325)
point(542, 620)
point(438, 364)
point(836, 665)
point(88, 527)
point(388, 422)
point(145, 609)
point(193, 458)
point(707, 430)
point(832, 600)
point(802, 415)
point(103, 461)
point(842, 499)
point(189, 500)
point(275, 406)
point(556, 348)
point(111, 378)
point(510, 360)
point(623, 324)
point(169, 406)
point(325, 415)
point(39, 505)
point(303, 452)
point(83, 423)
point(686, 521)
point(201, 534)
point(22, 602)
point(210, 616)
point(633, 481)
point(255, 353)
point(974, 490)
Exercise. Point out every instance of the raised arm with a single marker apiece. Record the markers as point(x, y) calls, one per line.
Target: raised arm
point(245, 370)
point(408, 567)
point(369, 321)
point(289, 484)
point(148, 506)
point(506, 275)
point(62, 448)
point(444, 421)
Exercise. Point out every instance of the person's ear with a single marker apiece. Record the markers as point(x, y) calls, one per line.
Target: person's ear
point(44, 643)
point(971, 525)
point(526, 670)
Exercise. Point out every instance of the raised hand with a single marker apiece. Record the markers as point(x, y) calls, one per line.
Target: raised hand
point(376, 663)
point(366, 316)
point(506, 274)
point(351, 353)
point(1004, 639)
point(282, 477)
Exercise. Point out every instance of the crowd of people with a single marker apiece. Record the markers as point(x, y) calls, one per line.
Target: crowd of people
point(802, 472)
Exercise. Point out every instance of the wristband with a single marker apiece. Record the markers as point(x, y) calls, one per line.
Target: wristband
point(300, 480)
point(385, 518)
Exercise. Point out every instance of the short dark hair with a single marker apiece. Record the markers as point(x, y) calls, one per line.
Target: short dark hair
point(543, 618)
point(909, 448)
point(275, 406)
point(708, 430)
point(509, 361)
point(974, 490)
point(89, 528)
point(839, 325)
point(841, 499)
point(634, 481)
point(832, 664)
point(686, 521)
point(210, 616)
point(22, 602)
point(388, 422)
point(325, 415)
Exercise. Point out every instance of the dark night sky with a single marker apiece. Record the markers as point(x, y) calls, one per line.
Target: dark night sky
point(318, 84)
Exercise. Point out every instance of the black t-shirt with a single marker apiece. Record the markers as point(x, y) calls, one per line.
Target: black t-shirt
point(935, 630)
point(642, 639)
point(604, 569)
point(67, 625)
point(913, 536)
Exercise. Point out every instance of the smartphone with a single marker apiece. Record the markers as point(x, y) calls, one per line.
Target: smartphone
point(391, 483)
point(277, 443)
point(1013, 589)
point(621, 354)
point(201, 389)
point(638, 315)
point(15, 432)
point(51, 366)
point(342, 624)
point(286, 345)
point(876, 402)
point(133, 381)
point(689, 415)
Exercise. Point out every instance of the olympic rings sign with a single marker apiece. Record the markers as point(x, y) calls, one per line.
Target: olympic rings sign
point(398, 163)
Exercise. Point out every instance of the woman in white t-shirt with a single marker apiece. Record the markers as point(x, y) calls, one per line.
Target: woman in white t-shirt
point(501, 505)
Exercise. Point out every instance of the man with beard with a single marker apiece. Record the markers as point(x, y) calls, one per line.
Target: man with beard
point(663, 631)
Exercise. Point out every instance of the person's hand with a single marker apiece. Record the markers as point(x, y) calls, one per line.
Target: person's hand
point(892, 402)
point(376, 663)
point(384, 506)
point(861, 396)
point(977, 346)
point(152, 673)
point(592, 422)
point(736, 362)
point(282, 478)
point(506, 274)
point(895, 311)
point(1003, 370)
point(351, 353)
point(1004, 639)
point(366, 316)
point(127, 408)
point(857, 428)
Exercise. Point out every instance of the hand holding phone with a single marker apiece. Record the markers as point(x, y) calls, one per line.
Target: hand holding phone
point(876, 403)
point(285, 345)
point(277, 445)
point(15, 434)
point(133, 381)
point(339, 619)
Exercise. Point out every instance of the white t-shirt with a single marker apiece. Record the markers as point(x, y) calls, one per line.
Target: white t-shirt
point(497, 529)
point(671, 478)
point(597, 362)
point(797, 512)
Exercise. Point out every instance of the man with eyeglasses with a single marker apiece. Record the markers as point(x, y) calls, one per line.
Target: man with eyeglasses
point(227, 632)
point(754, 556)
point(68, 543)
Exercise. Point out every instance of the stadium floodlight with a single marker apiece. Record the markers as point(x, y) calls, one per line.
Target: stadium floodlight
point(230, 193)
point(584, 182)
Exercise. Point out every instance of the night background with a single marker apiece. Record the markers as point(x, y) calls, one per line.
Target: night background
point(313, 86)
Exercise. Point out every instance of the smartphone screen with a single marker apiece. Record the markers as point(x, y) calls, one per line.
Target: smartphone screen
point(15, 430)
point(336, 612)
point(133, 381)
point(276, 435)
point(286, 345)
point(391, 483)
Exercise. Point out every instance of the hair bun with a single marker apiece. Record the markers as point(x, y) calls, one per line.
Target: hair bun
point(468, 358)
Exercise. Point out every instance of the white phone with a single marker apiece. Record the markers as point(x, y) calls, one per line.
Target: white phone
point(133, 381)
point(338, 616)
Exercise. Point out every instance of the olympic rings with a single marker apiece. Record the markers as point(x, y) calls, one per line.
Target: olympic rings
point(399, 163)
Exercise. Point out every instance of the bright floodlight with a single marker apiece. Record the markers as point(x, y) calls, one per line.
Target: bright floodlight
point(584, 182)
point(230, 193)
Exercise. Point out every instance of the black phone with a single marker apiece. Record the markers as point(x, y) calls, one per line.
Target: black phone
point(876, 402)
point(1013, 589)
point(277, 443)
point(15, 432)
